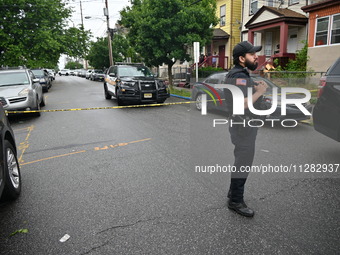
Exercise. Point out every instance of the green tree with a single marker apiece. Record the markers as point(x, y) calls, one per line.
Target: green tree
point(98, 55)
point(34, 33)
point(73, 65)
point(76, 42)
point(162, 31)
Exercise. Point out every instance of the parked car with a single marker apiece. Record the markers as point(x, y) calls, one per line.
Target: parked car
point(133, 83)
point(292, 112)
point(44, 78)
point(51, 74)
point(10, 178)
point(326, 113)
point(20, 90)
point(65, 72)
point(88, 73)
point(97, 75)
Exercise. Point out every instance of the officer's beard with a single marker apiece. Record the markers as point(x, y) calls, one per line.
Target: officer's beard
point(251, 66)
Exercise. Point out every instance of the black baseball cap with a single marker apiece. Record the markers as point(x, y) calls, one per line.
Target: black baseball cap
point(245, 47)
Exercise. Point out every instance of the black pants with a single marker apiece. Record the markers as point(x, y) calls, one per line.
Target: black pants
point(244, 140)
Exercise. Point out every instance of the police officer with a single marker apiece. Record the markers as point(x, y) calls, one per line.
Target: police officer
point(242, 136)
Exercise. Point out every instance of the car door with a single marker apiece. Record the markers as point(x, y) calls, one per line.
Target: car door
point(36, 86)
point(326, 113)
point(110, 80)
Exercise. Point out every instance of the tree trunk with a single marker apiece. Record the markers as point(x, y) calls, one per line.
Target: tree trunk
point(170, 73)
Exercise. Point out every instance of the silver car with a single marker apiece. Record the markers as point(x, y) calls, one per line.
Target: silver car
point(20, 90)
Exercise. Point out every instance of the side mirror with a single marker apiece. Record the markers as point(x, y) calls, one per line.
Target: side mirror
point(36, 80)
point(112, 75)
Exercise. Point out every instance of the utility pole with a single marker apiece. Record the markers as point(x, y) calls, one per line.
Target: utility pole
point(83, 30)
point(106, 13)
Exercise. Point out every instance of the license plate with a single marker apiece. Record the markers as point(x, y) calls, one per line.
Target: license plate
point(148, 95)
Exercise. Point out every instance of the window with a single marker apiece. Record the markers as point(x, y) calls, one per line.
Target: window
point(321, 34)
point(253, 7)
point(335, 32)
point(222, 15)
point(327, 30)
point(270, 3)
point(291, 2)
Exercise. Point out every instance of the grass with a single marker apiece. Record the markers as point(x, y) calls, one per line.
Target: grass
point(180, 92)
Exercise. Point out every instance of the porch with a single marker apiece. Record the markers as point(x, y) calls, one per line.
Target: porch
point(281, 36)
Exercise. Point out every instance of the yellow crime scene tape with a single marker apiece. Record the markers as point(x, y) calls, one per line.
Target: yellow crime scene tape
point(116, 107)
point(101, 108)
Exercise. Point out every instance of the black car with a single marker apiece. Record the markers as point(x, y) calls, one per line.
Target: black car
point(217, 102)
point(326, 113)
point(43, 77)
point(10, 178)
point(134, 83)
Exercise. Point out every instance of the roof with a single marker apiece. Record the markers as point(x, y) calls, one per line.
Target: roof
point(283, 14)
point(320, 5)
point(219, 34)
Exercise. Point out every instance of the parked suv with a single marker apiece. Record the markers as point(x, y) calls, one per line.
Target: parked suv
point(97, 75)
point(20, 90)
point(10, 179)
point(326, 113)
point(133, 83)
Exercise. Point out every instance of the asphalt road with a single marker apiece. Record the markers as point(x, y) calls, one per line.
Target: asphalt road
point(123, 181)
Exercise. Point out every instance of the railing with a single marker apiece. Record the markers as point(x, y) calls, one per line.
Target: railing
point(309, 80)
point(212, 61)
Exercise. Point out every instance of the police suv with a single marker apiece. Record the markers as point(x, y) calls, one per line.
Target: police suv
point(134, 83)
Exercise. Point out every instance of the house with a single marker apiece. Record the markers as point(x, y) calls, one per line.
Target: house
point(323, 33)
point(279, 26)
point(226, 33)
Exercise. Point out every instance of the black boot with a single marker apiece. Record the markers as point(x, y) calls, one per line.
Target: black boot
point(241, 208)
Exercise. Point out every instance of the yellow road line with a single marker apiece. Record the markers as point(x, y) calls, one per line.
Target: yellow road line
point(147, 139)
point(96, 149)
point(24, 145)
point(58, 156)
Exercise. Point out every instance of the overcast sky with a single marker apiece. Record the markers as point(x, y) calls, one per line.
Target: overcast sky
point(97, 22)
point(94, 9)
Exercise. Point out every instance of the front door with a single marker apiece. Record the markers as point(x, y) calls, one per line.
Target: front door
point(221, 56)
point(292, 40)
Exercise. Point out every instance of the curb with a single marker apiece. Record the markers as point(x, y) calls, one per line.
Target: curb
point(187, 98)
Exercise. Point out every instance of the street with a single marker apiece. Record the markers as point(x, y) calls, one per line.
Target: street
point(123, 181)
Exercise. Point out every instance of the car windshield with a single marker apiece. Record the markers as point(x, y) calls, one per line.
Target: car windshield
point(98, 71)
point(334, 69)
point(135, 71)
point(12, 79)
point(38, 73)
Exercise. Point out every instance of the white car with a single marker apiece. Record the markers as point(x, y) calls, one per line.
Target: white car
point(88, 73)
point(65, 72)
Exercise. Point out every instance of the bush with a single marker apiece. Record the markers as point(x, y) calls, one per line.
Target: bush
point(206, 71)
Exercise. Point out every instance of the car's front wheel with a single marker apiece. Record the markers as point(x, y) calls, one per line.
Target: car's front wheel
point(119, 101)
point(37, 108)
point(42, 103)
point(107, 95)
point(198, 103)
point(12, 175)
